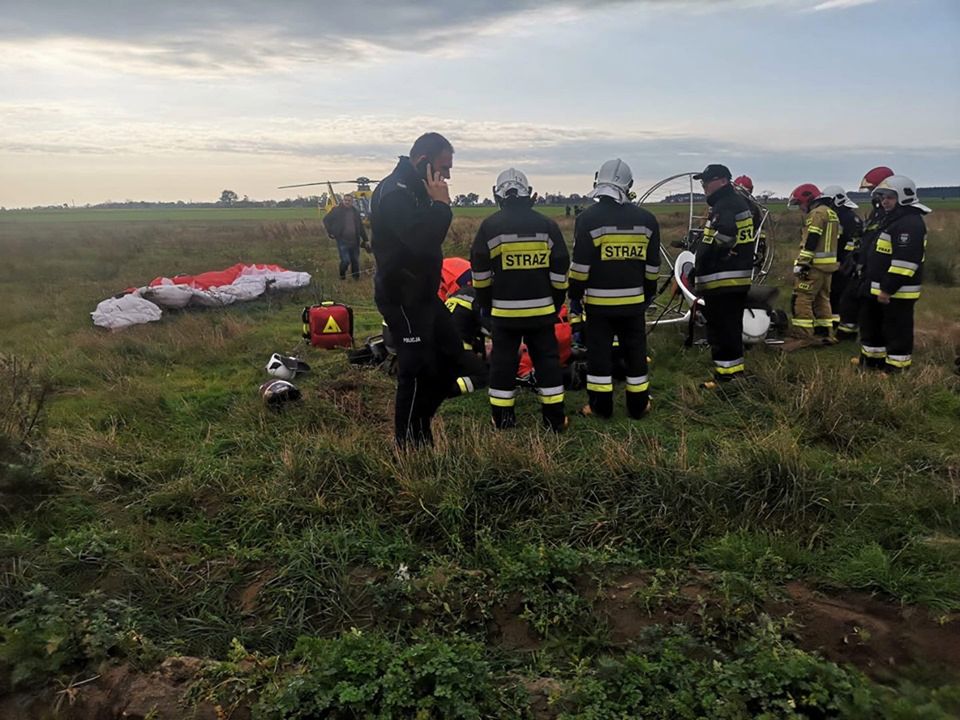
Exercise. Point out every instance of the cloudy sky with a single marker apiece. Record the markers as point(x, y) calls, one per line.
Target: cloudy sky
point(178, 99)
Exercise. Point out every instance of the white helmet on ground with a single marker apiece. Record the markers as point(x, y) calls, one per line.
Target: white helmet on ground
point(613, 179)
point(511, 180)
point(285, 368)
point(905, 189)
point(277, 392)
point(838, 196)
point(756, 324)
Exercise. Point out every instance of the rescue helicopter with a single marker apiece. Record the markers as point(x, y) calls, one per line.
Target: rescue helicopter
point(676, 302)
point(361, 196)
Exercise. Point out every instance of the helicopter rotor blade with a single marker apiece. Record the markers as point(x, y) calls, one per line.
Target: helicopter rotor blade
point(282, 187)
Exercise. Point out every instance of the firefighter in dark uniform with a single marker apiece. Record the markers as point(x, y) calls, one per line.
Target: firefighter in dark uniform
point(469, 323)
point(410, 215)
point(894, 271)
point(744, 185)
point(520, 262)
point(723, 271)
point(616, 262)
point(848, 246)
point(811, 313)
point(857, 286)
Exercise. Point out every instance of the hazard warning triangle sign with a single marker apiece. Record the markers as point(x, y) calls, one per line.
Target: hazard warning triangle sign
point(331, 326)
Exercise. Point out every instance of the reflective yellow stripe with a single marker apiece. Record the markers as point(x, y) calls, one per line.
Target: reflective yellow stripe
point(724, 283)
point(900, 361)
point(503, 402)
point(551, 399)
point(458, 301)
point(467, 346)
point(482, 283)
point(729, 370)
point(643, 387)
point(802, 322)
point(900, 271)
point(577, 275)
point(521, 312)
point(531, 246)
point(626, 300)
point(600, 387)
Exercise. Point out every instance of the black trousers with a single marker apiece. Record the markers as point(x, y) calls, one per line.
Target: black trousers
point(886, 334)
point(845, 302)
point(631, 331)
point(472, 374)
point(724, 315)
point(504, 361)
point(428, 348)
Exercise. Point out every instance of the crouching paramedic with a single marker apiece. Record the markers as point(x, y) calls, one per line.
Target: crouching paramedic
point(616, 261)
point(815, 264)
point(520, 263)
point(723, 271)
point(894, 269)
point(472, 371)
point(410, 214)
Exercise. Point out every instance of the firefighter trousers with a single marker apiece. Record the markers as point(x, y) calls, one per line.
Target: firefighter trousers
point(472, 374)
point(886, 334)
point(849, 308)
point(504, 361)
point(724, 315)
point(811, 311)
point(428, 349)
point(631, 332)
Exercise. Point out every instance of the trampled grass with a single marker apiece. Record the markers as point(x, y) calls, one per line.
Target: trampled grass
point(155, 479)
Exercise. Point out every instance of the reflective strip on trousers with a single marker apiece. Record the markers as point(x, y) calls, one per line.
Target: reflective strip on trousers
point(600, 383)
point(502, 398)
point(551, 395)
point(900, 361)
point(873, 352)
point(465, 384)
point(728, 367)
point(640, 383)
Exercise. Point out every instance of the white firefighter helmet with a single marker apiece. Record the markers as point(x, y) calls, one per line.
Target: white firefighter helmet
point(277, 392)
point(511, 180)
point(905, 189)
point(838, 196)
point(613, 179)
point(284, 367)
point(756, 324)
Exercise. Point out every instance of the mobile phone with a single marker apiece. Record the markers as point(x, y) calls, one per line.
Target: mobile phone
point(422, 168)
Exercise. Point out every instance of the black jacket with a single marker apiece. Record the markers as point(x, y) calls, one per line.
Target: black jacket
point(851, 230)
point(616, 258)
point(725, 256)
point(467, 319)
point(408, 233)
point(895, 262)
point(335, 220)
point(520, 261)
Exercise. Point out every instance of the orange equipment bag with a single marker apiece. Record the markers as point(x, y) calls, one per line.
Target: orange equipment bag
point(328, 325)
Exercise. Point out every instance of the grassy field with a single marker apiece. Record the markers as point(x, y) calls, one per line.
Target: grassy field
point(790, 551)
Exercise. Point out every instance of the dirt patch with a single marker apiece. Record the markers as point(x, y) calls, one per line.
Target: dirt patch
point(118, 693)
point(509, 629)
point(877, 637)
point(539, 691)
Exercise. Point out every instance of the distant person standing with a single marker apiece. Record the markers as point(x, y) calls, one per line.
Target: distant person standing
point(724, 271)
point(411, 214)
point(851, 230)
point(345, 225)
point(894, 273)
point(811, 314)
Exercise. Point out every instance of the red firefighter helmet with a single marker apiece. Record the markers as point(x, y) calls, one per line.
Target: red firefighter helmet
point(803, 195)
point(745, 182)
point(875, 177)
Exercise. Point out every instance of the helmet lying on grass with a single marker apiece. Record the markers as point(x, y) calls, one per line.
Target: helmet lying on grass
point(285, 367)
point(275, 393)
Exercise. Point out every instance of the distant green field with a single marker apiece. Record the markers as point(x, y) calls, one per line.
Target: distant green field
point(74, 215)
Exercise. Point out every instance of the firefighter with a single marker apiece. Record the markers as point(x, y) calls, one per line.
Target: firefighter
point(469, 322)
point(857, 287)
point(410, 215)
point(520, 262)
point(744, 184)
point(894, 271)
point(848, 244)
point(812, 316)
point(616, 262)
point(723, 271)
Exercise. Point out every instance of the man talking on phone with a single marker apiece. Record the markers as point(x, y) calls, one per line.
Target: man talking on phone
point(410, 215)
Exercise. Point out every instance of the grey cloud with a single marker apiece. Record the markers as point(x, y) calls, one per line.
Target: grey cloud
point(212, 37)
